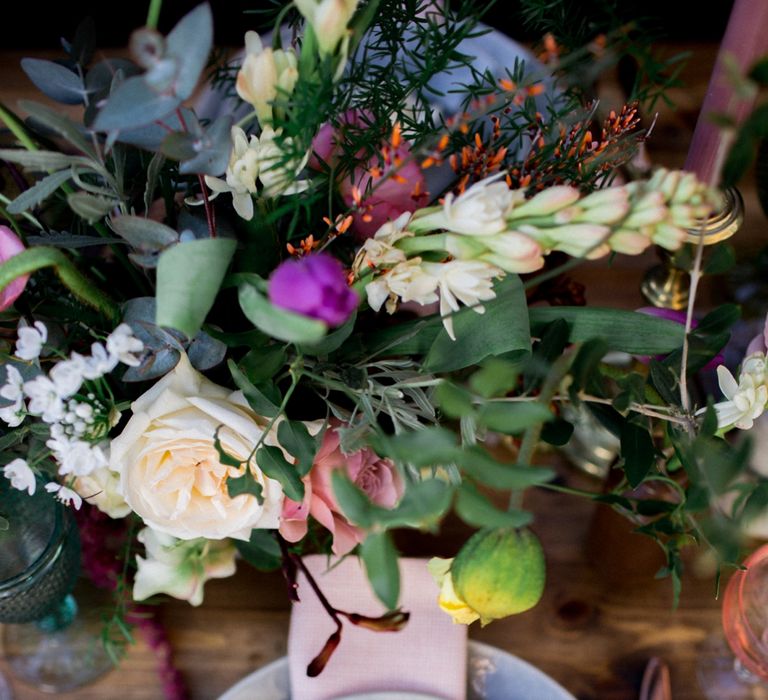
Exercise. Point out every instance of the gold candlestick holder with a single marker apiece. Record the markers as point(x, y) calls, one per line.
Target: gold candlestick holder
point(667, 285)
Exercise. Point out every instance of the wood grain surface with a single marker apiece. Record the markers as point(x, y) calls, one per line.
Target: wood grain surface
point(598, 623)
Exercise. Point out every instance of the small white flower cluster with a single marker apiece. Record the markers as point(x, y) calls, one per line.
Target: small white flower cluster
point(491, 230)
point(76, 424)
point(746, 398)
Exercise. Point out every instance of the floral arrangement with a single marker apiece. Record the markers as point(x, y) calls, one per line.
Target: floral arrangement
point(296, 322)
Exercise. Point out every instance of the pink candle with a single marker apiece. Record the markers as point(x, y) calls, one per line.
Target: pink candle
point(745, 39)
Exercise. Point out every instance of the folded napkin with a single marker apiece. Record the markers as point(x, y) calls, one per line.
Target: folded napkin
point(428, 656)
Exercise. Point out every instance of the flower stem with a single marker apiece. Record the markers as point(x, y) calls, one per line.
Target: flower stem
point(153, 14)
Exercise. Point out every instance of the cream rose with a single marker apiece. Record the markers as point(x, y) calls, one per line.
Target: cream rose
point(170, 473)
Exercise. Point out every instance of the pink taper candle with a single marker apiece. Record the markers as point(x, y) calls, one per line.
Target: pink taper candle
point(745, 39)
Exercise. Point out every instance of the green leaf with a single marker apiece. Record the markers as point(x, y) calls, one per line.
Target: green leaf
point(432, 446)
point(626, 331)
point(475, 510)
point(381, 566)
point(352, 501)
point(257, 400)
point(665, 382)
point(756, 504)
point(638, 452)
point(584, 365)
point(224, 457)
point(502, 328)
point(42, 160)
point(720, 260)
point(261, 551)
point(263, 361)
point(557, 432)
point(189, 275)
point(60, 124)
point(719, 321)
point(496, 377)
point(422, 506)
point(245, 484)
point(39, 191)
point(454, 401)
point(513, 417)
point(278, 323)
point(332, 341)
point(294, 437)
point(478, 464)
point(271, 461)
point(90, 207)
point(759, 71)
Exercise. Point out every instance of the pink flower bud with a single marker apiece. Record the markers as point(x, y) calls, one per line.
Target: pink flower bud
point(10, 245)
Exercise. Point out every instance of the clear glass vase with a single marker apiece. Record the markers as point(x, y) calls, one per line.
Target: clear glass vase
point(47, 641)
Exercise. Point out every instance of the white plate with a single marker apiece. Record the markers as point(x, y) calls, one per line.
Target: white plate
point(493, 675)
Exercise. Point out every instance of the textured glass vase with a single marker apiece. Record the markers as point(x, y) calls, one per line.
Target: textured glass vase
point(47, 643)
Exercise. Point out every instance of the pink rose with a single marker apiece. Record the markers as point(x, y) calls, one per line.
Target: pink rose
point(378, 478)
point(10, 245)
point(396, 186)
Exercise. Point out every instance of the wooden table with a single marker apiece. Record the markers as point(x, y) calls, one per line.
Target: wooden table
point(591, 633)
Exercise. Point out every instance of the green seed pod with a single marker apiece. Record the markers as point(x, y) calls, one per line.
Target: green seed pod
point(500, 572)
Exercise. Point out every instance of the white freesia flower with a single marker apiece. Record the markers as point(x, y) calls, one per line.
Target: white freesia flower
point(65, 495)
point(264, 75)
point(31, 340)
point(259, 157)
point(513, 252)
point(101, 488)
point(44, 399)
point(465, 281)
point(124, 345)
point(13, 390)
point(67, 376)
point(328, 19)
point(578, 240)
point(170, 472)
point(406, 281)
point(180, 568)
point(97, 364)
point(546, 202)
point(746, 398)
point(76, 457)
point(480, 211)
point(20, 475)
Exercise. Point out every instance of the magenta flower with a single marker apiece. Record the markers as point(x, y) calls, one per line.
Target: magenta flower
point(377, 477)
point(10, 245)
point(313, 286)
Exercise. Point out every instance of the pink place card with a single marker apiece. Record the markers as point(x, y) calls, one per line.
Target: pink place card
point(428, 656)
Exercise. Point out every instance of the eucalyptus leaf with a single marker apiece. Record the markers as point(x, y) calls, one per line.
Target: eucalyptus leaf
point(210, 151)
point(189, 43)
point(189, 276)
point(276, 322)
point(63, 239)
point(381, 566)
point(132, 104)
point(41, 190)
point(54, 80)
point(144, 234)
point(205, 352)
